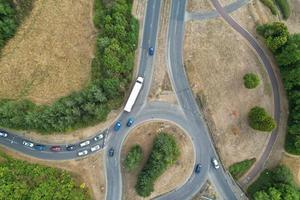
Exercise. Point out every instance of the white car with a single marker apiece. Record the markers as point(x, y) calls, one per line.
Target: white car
point(95, 148)
point(83, 144)
point(83, 153)
point(2, 134)
point(215, 163)
point(98, 137)
point(28, 144)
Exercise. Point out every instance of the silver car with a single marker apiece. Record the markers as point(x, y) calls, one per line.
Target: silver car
point(215, 163)
point(83, 144)
point(28, 144)
point(83, 153)
point(95, 148)
point(2, 134)
point(98, 137)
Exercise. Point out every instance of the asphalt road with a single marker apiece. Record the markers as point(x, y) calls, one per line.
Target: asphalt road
point(268, 66)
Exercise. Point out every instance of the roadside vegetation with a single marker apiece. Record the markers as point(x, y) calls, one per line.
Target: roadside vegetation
point(111, 76)
point(274, 184)
point(251, 80)
point(271, 5)
point(286, 48)
point(21, 180)
point(164, 153)
point(238, 169)
point(11, 16)
point(282, 5)
point(260, 120)
point(133, 158)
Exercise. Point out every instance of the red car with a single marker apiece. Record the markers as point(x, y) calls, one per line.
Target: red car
point(55, 148)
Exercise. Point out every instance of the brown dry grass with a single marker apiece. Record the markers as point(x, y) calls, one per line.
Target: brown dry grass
point(175, 176)
point(196, 5)
point(293, 162)
point(216, 59)
point(293, 22)
point(161, 88)
point(89, 171)
point(50, 55)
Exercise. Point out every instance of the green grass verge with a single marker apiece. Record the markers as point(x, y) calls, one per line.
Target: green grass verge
point(284, 8)
point(237, 170)
point(271, 5)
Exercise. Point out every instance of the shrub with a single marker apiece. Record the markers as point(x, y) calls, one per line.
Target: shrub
point(251, 81)
point(270, 4)
point(284, 8)
point(164, 153)
point(239, 169)
point(133, 158)
point(260, 120)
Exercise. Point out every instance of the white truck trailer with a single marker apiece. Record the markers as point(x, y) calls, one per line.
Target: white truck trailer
point(134, 94)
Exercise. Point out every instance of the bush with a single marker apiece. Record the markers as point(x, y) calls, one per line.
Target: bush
point(164, 153)
point(237, 170)
point(251, 81)
point(133, 158)
point(271, 5)
point(111, 75)
point(284, 8)
point(260, 120)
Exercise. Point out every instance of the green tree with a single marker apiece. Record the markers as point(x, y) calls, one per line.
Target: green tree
point(282, 174)
point(251, 80)
point(133, 158)
point(261, 195)
point(260, 120)
point(290, 52)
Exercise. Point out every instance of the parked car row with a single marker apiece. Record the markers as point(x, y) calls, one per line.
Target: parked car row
point(86, 151)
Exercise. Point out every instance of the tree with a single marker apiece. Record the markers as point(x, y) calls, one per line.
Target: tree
point(261, 195)
point(251, 80)
point(282, 174)
point(260, 120)
point(290, 52)
point(133, 158)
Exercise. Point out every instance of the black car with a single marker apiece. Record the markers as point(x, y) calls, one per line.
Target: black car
point(198, 168)
point(71, 147)
point(111, 152)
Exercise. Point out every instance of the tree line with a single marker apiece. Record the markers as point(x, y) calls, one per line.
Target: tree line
point(286, 48)
point(111, 74)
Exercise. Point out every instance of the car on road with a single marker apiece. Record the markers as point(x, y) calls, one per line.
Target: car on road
point(99, 137)
point(151, 51)
point(56, 148)
point(70, 147)
point(198, 168)
point(83, 153)
point(117, 126)
point(130, 122)
point(28, 144)
point(95, 148)
point(111, 152)
point(39, 147)
point(85, 143)
point(215, 163)
point(3, 134)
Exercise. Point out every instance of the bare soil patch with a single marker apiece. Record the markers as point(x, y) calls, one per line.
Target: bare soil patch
point(161, 88)
point(293, 21)
point(88, 171)
point(50, 55)
point(207, 191)
point(293, 162)
point(216, 59)
point(196, 5)
point(175, 176)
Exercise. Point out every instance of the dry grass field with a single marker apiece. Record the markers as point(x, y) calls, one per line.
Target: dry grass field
point(216, 59)
point(50, 55)
point(175, 176)
point(293, 21)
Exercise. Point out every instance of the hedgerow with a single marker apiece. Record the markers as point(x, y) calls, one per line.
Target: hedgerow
point(111, 75)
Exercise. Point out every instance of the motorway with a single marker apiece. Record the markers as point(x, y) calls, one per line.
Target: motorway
point(186, 115)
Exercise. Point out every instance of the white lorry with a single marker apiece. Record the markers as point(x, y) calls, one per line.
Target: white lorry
point(134, 94)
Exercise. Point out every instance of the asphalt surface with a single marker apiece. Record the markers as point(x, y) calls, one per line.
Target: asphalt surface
point(268, 66)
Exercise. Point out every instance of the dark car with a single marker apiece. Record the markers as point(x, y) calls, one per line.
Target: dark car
point(70, 148)
point(55, 148)
point(111, 152)
point(198, 168)
point(117, 126)
point(151, 51)
point(39, 147)
point(129, 122)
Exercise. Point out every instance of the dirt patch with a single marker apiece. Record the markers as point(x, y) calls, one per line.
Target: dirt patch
point(293, 21)
point(89, 171)
point(216, 59)
point(50, 55)
point(207, 192)
point(196, 5)
point(161, 88)
point(175, 176)
point(293, 162)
